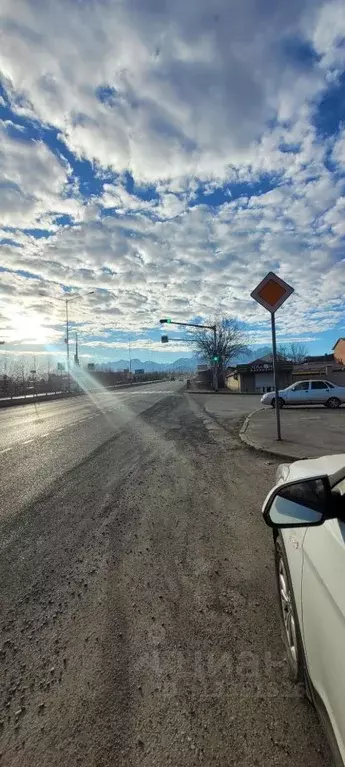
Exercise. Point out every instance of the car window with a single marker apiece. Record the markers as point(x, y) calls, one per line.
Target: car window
point(318, 385)
point(330, 385)
point(339, 489)
point(311, 493)
point(302, 386)
point(338, 493)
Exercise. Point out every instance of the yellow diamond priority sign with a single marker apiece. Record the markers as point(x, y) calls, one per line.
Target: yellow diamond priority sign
point(272, 292)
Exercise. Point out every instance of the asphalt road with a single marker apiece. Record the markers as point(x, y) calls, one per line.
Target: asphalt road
point(139, 622)
point(40, 442)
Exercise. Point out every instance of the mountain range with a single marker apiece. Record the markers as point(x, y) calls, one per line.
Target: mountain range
point(181, 365)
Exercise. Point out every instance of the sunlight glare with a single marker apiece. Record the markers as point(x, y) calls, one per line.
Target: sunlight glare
point(27, 327)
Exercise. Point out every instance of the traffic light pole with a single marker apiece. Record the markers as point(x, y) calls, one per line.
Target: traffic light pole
point(203, 327)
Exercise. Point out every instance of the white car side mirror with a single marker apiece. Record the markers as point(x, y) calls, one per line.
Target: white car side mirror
point(299, 504)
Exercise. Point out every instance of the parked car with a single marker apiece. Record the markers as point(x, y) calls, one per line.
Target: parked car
point(307, 393)
point(306, 510)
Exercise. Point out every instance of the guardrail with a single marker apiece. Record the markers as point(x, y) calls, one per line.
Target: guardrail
point(22, 399)
point(27, 399)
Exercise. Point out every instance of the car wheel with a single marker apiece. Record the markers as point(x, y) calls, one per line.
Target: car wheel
point(281, 402)
point(333, 402)
point(289, 619)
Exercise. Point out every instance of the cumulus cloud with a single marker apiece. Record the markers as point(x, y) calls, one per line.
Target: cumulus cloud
point(165, 91)
point(33, 181)
point(182, 97)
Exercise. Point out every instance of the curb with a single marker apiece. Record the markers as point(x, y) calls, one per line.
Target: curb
point(253, 445)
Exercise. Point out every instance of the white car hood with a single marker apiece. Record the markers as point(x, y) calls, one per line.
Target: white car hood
point(309, 468)
point(315, 467)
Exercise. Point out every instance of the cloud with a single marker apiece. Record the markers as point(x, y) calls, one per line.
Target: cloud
point(126, 119)
point(338, 153)
point(164, 91)
point(33, 182)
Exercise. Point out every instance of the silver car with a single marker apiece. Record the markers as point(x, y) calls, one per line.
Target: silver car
point(308, 393)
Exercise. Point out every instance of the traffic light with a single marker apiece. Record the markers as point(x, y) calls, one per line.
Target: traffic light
point(215, 358)
point(167, 319)
point(164, 339)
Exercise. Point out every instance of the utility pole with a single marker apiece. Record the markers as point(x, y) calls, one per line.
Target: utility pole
point(215, 359)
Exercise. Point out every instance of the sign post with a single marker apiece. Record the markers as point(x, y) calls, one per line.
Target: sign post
point(275, 374)
point(271, 293)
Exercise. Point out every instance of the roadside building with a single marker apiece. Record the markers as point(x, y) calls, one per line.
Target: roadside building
point(318, 366)
point(256, 377)
point(339, 351)
point(326, 366)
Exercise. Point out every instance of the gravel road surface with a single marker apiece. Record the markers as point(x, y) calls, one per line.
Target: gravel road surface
point(139, 620)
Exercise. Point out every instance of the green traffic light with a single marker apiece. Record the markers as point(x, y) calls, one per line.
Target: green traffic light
point(169, 320)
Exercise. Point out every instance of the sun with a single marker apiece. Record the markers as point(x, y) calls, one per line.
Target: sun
point(28, 327)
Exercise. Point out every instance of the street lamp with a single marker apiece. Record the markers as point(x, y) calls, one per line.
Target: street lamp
point(130, 356)
point(68, 299)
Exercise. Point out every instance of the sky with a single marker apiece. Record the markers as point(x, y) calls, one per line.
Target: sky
point(166, 156)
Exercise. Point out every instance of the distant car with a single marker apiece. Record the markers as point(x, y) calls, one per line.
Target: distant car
point(307, 393)
point(306, 509)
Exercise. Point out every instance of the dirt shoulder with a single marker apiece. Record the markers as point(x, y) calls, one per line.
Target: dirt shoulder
point(139, 622)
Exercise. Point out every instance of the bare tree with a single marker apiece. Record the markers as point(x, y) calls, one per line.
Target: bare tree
point(298, 352)
point(231, 342)
point(294, 352)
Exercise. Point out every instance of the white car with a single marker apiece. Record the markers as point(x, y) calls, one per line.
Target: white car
point(306, 509)
point(308, 393)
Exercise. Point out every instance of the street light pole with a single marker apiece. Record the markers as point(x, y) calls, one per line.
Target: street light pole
point(67, 300)
point(67, 349)
point(130, 360)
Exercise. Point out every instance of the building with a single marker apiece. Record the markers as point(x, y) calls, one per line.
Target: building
point(339, 351)
point(327, 366)
point(315, 367)
point(319, 359)
point(256, 377)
